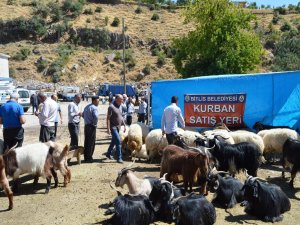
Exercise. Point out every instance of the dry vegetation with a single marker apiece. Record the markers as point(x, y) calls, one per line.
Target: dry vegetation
point(140, 28)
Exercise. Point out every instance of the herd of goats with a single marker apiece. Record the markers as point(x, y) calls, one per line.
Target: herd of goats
point(209, 160)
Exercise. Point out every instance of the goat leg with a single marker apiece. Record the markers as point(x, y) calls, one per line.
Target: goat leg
point(54, 174)
point(293, 175)
point(15, 187)
point(8, 192)
point(48, 178)
point(36, 180)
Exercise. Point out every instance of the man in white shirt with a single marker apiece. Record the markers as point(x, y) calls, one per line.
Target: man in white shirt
point(47, 118)
point(74, 114)
point(142, 111)
point(169, 122)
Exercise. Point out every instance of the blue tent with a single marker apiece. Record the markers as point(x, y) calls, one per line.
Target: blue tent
point(272, 98)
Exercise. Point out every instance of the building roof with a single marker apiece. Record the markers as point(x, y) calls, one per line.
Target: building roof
point(5, 56)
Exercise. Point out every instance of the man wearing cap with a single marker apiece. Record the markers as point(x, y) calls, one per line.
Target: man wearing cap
point(47, 118)
point(90, 115)
point(74, 115)
point(12, 117)
point(169, 122)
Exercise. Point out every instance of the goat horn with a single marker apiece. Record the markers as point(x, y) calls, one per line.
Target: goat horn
point(163, 177)
point(130, 165)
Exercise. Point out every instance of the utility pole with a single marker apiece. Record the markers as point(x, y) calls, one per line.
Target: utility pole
point(124, 66)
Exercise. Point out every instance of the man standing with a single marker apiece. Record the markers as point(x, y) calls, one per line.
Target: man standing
point(123, 107)
point(90, 116)
point(74, 115)
point(47, 118)
point(114, 121)
point(12, 118)
point(34, 102)
point(54, 97)
point(169, 122)
point(142, 111)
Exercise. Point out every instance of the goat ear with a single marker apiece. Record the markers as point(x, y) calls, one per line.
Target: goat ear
point(65, 151)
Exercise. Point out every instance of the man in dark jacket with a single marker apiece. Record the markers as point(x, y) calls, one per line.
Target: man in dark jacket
point(34, 102)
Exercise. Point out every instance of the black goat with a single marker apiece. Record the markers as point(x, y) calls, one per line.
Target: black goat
point(234, 157)
point(160, 197)
point(132, 210)
point(228, 190)
point(265, 201)
point(193, 210)
point(291, 158)
point(258, 126)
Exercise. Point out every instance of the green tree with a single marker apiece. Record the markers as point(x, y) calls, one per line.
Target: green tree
point(287, 53)
point(221, 43)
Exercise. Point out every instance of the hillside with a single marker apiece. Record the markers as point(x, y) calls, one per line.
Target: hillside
point(88, 65)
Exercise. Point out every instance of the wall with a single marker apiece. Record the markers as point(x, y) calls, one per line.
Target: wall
point(272, 98)
point(4, 69)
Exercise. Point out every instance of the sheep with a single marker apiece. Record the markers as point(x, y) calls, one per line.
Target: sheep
point(274, 139)
point(39, 159)
point(262, 133)
point(135, 138)
point(210, 135)
point(142, 154)
point(189, 137)
point(135, 185)
point(124, 137)
point(155, 142)
point(4, 183)
point(250, 137)
point(185, 162)
point(145, 130)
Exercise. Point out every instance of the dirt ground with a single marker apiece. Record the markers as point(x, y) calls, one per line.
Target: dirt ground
point(86, 198)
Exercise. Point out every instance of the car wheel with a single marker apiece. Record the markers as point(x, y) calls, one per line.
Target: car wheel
point(26, 109)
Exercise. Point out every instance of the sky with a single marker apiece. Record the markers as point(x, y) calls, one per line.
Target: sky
point(275, 2)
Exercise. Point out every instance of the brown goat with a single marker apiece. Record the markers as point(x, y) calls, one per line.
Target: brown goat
point(4, 183)
point(185, 162)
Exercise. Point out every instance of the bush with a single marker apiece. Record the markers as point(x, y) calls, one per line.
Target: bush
point(118, 56)
point(75, 7)
point(156, 51)
point(22, 54)
point(116, 22)
point(55, 12)
point(161, 60)
point(42, 11)
point(129, 58)
point(88, 11)
point(272, 39)
point(106, 20)
point(151, 7)
point(275, 19)
point(287, 53)
point(285, 27)
point(88, 20)
point(155, 17)
point(138, 10)
point(98, 9)
point(41, 65)
point(12, 72)
point(147, 69)
point(170, 52)
point(11, 2)
point(281, 10)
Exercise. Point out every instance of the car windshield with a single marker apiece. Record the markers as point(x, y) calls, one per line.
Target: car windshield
point(23, 94)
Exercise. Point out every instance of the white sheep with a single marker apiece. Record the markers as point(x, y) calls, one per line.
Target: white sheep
point(155, 142)
point(135, 138)
point(210, 134)
point(262, 133)
point(189, 137)
point(142, 154)
point(145, 130)
point(274, 139)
